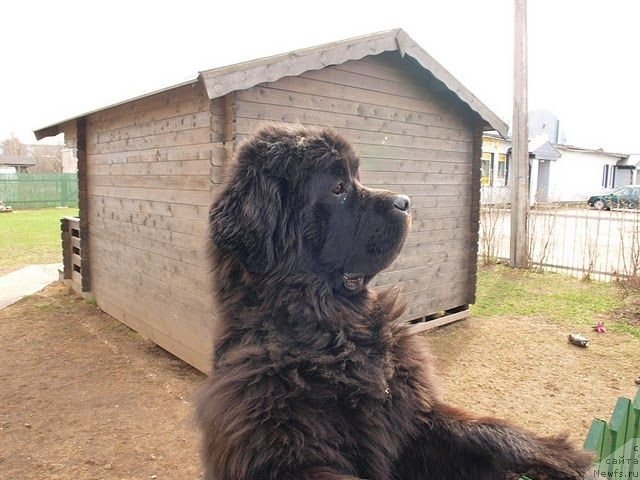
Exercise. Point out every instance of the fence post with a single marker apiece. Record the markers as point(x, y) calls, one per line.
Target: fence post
point(64, 193)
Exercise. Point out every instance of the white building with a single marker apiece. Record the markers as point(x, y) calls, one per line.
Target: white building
point(558, 173)
point(581, 172)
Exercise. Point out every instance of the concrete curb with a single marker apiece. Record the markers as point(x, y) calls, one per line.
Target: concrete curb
point(26, 281)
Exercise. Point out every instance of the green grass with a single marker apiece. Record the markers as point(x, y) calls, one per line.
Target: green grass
point(506, 292)
point(31, 237)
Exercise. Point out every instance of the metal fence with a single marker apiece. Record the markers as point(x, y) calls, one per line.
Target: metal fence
point(39, 190)
point(578, 241)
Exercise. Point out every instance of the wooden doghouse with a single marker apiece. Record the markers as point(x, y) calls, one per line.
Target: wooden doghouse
point(149, 167)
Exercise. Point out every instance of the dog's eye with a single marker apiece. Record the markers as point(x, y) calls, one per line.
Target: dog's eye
point(339, 189)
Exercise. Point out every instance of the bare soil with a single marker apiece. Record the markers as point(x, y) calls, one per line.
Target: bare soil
point(84, 397)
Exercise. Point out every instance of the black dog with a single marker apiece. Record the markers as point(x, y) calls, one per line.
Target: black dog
point(313, 375)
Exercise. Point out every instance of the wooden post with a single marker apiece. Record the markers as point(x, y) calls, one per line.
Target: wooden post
point(65, 235)
point(83, 202)
point(229, 134)
point(520, 148)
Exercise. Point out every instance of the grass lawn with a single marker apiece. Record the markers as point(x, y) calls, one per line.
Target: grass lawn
point(30, 237)
point(512, 358)
point(505, 292)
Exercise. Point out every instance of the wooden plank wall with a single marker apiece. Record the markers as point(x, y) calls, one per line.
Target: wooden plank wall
point(149, 169)
point(153, 165)
point(412, 141)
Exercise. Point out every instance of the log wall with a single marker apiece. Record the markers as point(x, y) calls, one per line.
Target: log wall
point(149, 168)
point(152, 166)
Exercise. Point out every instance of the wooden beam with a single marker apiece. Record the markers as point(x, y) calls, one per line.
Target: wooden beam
point(230, 129)
point(438, 322)
point(67, 250)
point(83, 202)
point(472, 248)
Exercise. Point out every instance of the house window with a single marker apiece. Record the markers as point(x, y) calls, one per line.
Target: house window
point(502, 170)
point(486, 169)
point(608, 176)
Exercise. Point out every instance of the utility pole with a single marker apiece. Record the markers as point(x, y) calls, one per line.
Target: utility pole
point(520, 146)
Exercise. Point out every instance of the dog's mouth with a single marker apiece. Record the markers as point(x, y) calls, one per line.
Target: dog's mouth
point(353, 281)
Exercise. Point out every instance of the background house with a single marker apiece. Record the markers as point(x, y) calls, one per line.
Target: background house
point(15, 163)
point(69, 160)
point(542, 156)
point(582, 172)
point(494, 169)
point(625, 171)
point(557, 172)
point(148, 169)
point(496, 154)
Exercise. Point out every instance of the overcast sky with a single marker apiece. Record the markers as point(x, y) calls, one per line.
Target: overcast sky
point(62, 58)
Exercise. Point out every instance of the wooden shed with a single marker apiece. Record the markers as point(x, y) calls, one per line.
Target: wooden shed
point(149, 167)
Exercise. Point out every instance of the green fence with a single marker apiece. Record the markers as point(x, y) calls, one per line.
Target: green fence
point(617, 444)
point(39, 190)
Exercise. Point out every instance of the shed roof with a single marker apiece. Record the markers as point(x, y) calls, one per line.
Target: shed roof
point(573, 148)
point(223, 80)
point(543, 149)
point(17, 160)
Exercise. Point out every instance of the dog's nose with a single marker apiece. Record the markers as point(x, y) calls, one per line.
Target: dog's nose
point(402, 202)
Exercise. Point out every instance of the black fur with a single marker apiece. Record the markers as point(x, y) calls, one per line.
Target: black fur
point(313, 375)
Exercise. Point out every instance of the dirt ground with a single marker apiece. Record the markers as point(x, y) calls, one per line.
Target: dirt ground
point(84, 397)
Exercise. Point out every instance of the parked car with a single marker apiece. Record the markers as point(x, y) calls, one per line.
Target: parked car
point(625, 197)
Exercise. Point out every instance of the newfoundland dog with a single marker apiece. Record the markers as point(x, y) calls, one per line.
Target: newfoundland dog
point(314, 376)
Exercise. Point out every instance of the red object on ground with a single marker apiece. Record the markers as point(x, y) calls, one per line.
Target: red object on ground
point(600, 328)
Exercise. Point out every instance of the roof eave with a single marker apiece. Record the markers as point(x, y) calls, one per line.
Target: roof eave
point(574, 148)
point(48, 131)
point(57, 128)
point(406, 45)
point(221, 81)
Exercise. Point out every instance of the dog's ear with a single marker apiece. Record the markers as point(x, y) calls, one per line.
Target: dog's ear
point(251, 220)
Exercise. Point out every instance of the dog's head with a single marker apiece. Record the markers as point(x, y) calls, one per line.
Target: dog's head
point(294, 205)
